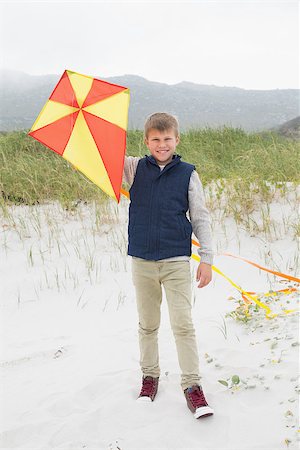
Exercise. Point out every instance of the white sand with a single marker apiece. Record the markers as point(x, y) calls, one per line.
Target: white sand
point(69, 345)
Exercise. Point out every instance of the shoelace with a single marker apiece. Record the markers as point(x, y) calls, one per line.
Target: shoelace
point(197, 397)
point(147, 387)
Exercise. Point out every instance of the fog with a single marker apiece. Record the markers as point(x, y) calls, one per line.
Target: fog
point(253, 45)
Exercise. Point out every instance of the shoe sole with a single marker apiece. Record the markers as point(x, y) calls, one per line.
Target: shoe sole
point(204, 411)
point(144, 399)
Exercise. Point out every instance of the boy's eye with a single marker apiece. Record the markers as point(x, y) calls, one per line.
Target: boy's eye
point(156, 139)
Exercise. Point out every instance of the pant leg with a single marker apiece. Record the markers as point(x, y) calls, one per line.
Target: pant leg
point(176, 279)
point(148, 290)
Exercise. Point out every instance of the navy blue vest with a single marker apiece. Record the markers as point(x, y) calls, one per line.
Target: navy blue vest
point(158, 227)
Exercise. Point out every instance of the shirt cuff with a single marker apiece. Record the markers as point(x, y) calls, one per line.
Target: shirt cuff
point(206, 258)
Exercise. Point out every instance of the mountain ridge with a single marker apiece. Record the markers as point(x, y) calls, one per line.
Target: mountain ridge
point(196, 105)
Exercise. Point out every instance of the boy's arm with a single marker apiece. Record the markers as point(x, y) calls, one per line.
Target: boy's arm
point(130, 165)
point(200, 219)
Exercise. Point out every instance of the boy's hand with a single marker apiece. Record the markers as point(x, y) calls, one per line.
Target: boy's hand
point(204, 274)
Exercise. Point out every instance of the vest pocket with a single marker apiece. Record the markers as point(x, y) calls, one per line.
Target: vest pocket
point(137, 233)
point(185, 227)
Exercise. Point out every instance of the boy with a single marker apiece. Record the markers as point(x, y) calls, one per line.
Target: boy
point(163, 189)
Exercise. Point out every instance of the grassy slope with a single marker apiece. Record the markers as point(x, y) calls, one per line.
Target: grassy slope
point(31, 173)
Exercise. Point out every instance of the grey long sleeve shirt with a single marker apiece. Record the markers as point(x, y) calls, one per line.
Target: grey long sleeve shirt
point(198, 213)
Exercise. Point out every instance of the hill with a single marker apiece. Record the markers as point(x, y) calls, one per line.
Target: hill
point(290, 129)
point(22, 97)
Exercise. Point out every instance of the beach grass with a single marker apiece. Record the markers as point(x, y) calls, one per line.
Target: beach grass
point(245, 163)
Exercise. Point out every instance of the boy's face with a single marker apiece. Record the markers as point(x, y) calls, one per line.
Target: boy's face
point(162, 144)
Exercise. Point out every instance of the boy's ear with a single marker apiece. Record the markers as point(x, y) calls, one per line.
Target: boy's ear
point(177, 139)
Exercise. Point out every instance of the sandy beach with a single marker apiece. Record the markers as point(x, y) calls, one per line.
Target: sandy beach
point(69, 346)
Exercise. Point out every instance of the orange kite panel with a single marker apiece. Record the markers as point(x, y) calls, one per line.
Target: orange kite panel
point(111, 142)
point(101, 90)
point(64, 93)
point(57, 134)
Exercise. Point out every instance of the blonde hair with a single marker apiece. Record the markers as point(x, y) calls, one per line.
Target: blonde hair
point(162, 122)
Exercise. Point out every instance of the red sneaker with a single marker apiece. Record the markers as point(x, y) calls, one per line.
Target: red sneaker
point(196, 402)
point(149, 389)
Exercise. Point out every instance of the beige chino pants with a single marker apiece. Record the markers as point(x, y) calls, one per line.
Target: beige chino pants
point(175, 276)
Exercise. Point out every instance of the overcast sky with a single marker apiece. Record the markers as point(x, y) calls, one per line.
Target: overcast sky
point(249, 44)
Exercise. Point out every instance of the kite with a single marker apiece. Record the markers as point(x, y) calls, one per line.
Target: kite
point(85, 121)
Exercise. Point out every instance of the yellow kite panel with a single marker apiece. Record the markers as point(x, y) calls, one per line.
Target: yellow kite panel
point(114, 109)
point(82, 152)
point(81, 85)
point(51, 112)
